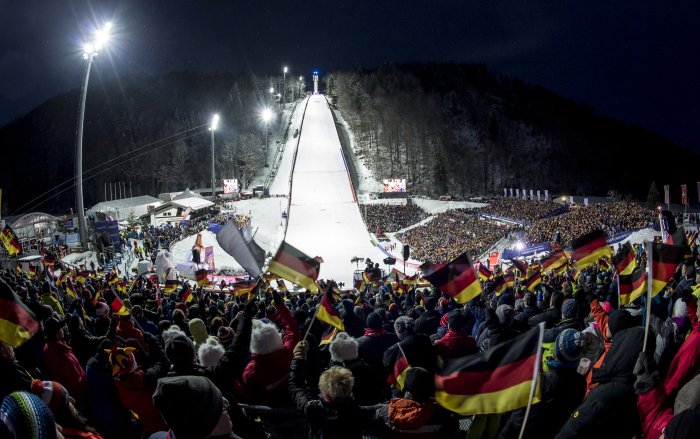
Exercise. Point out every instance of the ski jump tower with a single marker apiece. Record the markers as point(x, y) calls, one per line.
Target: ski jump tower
point(315, 82)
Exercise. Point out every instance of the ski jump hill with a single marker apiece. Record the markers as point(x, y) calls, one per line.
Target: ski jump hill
point(324, 216)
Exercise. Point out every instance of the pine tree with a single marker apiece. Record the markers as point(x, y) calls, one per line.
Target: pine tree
point(653, 197)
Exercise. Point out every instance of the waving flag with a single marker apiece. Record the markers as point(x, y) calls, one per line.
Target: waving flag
point(632, 286)
point(624, 260)
point(587, 249)
point(201, 277)
point(291, 264)
point(10, 240)
point(115, 303)
point(245, 251)
point(326, 311)
point(17, 322)
point(457, 278)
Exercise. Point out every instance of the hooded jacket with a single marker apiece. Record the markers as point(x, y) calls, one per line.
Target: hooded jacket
point(64, 367)
point(455, 344)
point(407, 418)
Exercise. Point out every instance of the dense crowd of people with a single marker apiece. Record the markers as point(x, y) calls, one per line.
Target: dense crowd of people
point(451, 233)
point(391, 217)
point(166, 367)
point(612, 218)
point(527, 211)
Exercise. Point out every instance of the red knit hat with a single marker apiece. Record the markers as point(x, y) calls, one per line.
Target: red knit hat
point(54, 395)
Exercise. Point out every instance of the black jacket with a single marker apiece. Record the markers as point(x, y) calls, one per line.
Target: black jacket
point(371, 348)
point(346, 420)
point(418, 350)
point(428, 323)
point(620, 360)
point(550, 316)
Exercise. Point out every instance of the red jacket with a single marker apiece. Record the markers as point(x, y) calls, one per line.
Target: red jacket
point(265, 377)
point(684, 364)
point(65, 368)
point(654, 412)
point(137, 396)
point(455, 344)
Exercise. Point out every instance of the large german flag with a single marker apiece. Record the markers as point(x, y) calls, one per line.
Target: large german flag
point(114, 302)
point(499, 285)
point(587, 249)
point(243, 288)
point(509, 279)
point(521, 266)
point(326, 311)
point(201, 277)
point(496, 381)
point(458, 279)
point(294, 266)
point(632, 286)
point(554, 261)
point(663, 263)
point(17, 322)
point(624, 260)
point(10, 240)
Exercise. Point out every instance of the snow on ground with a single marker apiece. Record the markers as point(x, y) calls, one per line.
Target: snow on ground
point(366, 180)
point(436, 206)
point(81, 259)
point(641, 236)
point(283, 166)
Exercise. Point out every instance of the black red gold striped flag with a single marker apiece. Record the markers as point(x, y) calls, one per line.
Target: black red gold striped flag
point(624, 260)
point(121, 286)
point(533, 281)
point(521, 266)
point(326, 311)
point(187, 296)
point(70, 289)
point(201, 277)
point(632, 286)
point(509, 280)
point(428, 268)
point(587, 249)
point(499, 285)
point(554, 261)
point(496, 381)
point(663, 261)
point(329, 336)
point(114, 302)
point(17, 322)
point(291, 264)
point(32, 270)
point(458, 279)
point(171, 285)
point(81, 277)
point(9, 239)
point(243, 288)
point(484, 273)
point(398, 374)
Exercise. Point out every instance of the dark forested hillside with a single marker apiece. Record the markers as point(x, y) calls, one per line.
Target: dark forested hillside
point(463, 130)
point(456, 129)
point(123, 120)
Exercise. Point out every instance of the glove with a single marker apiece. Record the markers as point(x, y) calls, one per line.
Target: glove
point(250, 309)
point(300, 350)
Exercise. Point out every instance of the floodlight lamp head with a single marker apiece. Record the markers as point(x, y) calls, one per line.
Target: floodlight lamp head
point(214, 122)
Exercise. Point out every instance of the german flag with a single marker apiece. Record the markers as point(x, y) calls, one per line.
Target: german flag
point(533, 281)
point(624, 260)
point(587, 249)
point(632, 286)
point(70, 289)
point(112, 279)
point(121, 286)
point(294, 266)
point(115, 302)
point(326, 311)
point(692, 237)
point(171, 285)
point(81, 277)
point(458, 279)
point(11, 242)
point(484, 273)
point(509, 280)
point(398, 374)
point(187, 296)
point(554, 261)
point(411, 280)
point(100, 272)
point(328, 337)
point(496, 381)
point(663, 263)
point(17, 322)
point(533, 268)
point(243, 288)
point(499, 285)
point(201, 277)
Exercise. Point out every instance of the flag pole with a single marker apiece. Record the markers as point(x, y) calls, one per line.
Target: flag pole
point(619, 298)
point(535, 378)
point(650, 281)
point(310, 325)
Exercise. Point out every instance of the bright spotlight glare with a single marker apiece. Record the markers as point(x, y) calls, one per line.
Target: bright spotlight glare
point(519, 245)
point(214, 122)
point(266, 115)
point(272, 90)
point(88, 49)
point(285, 69)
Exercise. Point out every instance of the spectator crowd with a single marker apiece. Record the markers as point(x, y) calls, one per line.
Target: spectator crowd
point(527, 211)
point(391, 217)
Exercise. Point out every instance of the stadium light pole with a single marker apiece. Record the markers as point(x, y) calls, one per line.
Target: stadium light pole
point(90, 50)
point(266, 116)
point(212, 128)
point(284, 85)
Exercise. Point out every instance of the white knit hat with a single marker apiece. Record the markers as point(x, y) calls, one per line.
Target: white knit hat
point(343, 348)
point(265, 338)
point(210, 352)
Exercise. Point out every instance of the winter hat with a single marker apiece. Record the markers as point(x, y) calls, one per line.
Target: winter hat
point(210, 352)
point(683, 425)
point(443, 320)
point(457, 320)
point(136, 311)
point(374, 321)
point(680, 313)
point(225, 335)
point(343, 348)
point(568, 346)
point(404, 326)
point(505, 314)
point(26, 416)
point(419, 383)
point(265, 338)
point(178, 347)
point(102, 309)
point(569, 309)
point(619, 320)
point(53, 394)
point(52, 325)
point(122, 360)
point(198, 330)
point(688, 397)
point(205, 404)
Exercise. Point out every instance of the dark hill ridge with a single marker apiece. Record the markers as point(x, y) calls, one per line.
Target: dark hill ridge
point(456, 129)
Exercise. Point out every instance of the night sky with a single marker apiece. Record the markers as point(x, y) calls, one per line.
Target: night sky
point(635, 60)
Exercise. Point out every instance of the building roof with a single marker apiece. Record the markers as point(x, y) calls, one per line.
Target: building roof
point(28, 219)
point(125, 203)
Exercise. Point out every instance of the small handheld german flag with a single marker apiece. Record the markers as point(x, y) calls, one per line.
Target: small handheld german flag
point(171, 285)
point(201, 277)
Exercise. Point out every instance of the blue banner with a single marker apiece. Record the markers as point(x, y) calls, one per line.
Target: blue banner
point(112, 228)
point(526, 251)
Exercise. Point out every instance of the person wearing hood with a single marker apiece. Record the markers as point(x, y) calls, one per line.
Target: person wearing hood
point(265, 377)
point(73, 423)
point(562, 390)
point(501, 331)
point(48, 299)
point(417, 414)
point(63, 366)
point(335, 413)
point(530, 309)
point(344, 352)
point(429, 322)
point(569, 320)
point(417, 348)
point(351, 321)
point(457, 342)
